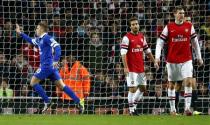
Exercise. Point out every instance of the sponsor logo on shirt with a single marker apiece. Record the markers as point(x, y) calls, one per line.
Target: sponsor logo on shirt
point(179, 38)
point(137, 49)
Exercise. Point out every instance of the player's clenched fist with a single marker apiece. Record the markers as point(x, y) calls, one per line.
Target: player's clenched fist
point(18, 29)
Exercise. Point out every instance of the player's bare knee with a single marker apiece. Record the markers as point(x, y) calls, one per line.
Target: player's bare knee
point(132, 89)
point(171, 85)
point(34, 81)
point(188, 82)
point(59, 84)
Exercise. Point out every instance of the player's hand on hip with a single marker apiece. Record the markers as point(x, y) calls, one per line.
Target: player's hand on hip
point(18, 29)
point(55, 65)
point(126, 71)
point(200, 62)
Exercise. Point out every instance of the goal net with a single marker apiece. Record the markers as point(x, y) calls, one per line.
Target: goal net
point(90, 32)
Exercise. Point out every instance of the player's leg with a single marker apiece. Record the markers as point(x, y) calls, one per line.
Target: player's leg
point(188, 94)
point(187, 73)
point(132, 88)
point(38, 76)
point(194, 97)
point(59, 83)
point(178, 87)
point(173, 76)
point(141, 79)
point(172, 97)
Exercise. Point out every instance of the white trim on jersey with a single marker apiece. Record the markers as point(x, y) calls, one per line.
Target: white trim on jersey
point(53, 43)
point(34, 41)
point(145, 47)
point(148, 50)
point(124, 45)
point(123, 51)
point(164, 33)
point(196, 46)
point(159, 46)
point(193, 33)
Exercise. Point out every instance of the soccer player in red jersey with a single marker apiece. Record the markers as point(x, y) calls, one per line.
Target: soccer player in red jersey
point(178, 37)
point(132, 47)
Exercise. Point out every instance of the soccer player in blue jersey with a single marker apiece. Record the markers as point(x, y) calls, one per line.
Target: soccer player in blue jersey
point(50, 52)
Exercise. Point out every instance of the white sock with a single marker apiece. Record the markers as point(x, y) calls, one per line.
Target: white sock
point(137, 96)
point(130, 101)
point(172, 97)
point(188, 96)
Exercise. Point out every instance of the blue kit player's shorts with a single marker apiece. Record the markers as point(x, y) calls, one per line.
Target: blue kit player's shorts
point(50, 73)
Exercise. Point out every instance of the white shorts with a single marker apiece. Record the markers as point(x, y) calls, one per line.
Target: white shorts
point(178, 72)
point(136, 79)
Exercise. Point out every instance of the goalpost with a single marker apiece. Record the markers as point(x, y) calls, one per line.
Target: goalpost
point(91, 31)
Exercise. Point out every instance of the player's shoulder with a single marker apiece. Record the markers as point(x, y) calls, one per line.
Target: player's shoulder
point(187, 23)
point(47, 36)
point(170, 24)
point(141, 34)
point(125, 38)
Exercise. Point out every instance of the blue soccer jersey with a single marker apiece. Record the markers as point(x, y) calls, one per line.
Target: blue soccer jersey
point(50, 52)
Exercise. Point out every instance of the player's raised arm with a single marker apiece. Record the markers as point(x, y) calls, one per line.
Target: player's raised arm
point(24, 36)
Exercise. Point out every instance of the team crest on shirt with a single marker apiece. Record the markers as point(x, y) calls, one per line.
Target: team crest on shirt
point(186, 30)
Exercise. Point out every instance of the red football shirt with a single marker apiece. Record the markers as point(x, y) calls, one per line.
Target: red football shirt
point(135, 44)
point(178, 39)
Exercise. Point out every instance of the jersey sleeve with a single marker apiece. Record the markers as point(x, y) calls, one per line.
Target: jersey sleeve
point(164, 34)
point(193, 33)
point(57, 49)
point(53, 43)
point(28, 39)
point(146, 47)
point(124, 45)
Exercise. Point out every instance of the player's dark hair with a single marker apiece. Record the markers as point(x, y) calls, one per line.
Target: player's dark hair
point(132, 19)
point(178, 8)
point(44, 25)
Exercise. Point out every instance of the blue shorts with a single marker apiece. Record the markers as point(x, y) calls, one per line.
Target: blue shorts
point(50, 73)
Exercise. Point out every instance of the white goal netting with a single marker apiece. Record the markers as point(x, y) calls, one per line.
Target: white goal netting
point(90, 32)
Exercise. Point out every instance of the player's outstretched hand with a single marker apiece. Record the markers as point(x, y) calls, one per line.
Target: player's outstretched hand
point(200, 62)
point(55, 65)
point(18, 29)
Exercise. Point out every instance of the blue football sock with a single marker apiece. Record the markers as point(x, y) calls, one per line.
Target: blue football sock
point(38, 88)
point(71, 94)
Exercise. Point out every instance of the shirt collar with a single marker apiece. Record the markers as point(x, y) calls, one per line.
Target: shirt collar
point(42, 35)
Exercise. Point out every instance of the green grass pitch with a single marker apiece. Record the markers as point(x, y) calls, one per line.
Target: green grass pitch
point(103, 120)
